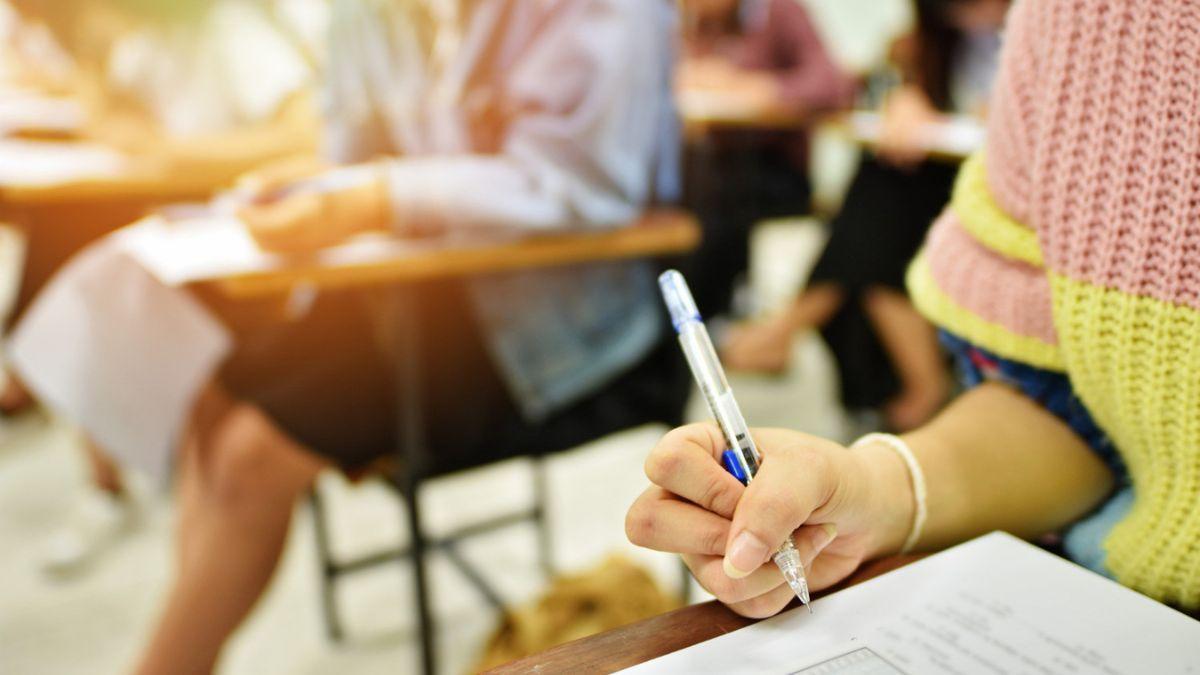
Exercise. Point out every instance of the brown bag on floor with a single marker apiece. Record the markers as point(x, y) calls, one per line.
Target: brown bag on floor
point(616, 593)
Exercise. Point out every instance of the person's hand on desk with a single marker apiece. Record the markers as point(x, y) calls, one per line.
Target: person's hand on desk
point(843, 506)
point(993, 460)
point(310, 219)
point(261, 184)
point(762, 347)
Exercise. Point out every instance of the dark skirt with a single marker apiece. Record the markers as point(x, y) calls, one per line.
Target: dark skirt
point(59, 231)
point(329, 381)
point(882, 224)
point(734, 180)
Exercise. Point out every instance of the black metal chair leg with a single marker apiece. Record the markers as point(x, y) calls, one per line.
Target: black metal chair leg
point(686, 579)
point(420, 579)
point(467, 570)
point(329, 572)
point(541, 510)
point(411, 451)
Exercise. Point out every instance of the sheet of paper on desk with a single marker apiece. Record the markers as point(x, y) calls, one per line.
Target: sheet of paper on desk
point(177, 252)
point(957, 136)
point(37, 163)
point(19, 113)
point(992, 605)
point(701, 104)
point(215, 245)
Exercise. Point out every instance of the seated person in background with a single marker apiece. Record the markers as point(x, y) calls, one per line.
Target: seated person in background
point(887, 355)
point(768, 56)
point(208, 87)
point(30, 56)
point(1065, 277)
point(204, 90)
point(464, 118)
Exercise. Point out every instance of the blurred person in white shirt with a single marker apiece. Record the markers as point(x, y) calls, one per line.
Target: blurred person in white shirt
point(186, 88)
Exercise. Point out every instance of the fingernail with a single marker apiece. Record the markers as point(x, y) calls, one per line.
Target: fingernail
point(829, 533)
point(746, 555)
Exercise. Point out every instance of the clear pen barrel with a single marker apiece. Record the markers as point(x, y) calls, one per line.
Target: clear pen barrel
point(706, 369)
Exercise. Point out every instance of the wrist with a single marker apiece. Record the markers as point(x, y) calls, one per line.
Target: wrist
point(890, 493)
point(362, 208)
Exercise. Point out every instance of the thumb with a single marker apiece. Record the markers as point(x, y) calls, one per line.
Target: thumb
point(776, 503)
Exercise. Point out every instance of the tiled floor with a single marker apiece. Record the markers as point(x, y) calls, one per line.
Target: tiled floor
point(95, 624)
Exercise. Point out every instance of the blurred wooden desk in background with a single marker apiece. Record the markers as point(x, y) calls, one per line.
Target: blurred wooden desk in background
point(661, 635)
point(657, 233)
point(953, 139)
point(705, 110)
point(65, 194)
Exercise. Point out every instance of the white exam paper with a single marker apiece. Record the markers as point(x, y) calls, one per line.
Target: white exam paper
point(993, 605)
point(956, 136)
point(20, 113)
point(42, 163)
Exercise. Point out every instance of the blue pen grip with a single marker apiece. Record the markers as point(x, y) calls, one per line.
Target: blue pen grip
point(730, 459)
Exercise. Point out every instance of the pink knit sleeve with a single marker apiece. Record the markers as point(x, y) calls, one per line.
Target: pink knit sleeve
point(1013, 112)
point(1115, 177)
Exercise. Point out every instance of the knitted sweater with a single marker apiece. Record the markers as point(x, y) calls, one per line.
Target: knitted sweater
point(1073, 243)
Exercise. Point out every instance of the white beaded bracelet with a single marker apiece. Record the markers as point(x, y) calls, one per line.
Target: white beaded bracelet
point(915, 474)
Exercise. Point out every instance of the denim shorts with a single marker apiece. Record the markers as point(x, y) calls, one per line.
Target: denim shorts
point(1083, 542)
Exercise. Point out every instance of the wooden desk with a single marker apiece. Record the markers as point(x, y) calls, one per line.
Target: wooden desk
point(33, 114)
point(953, 139)
point(661, 635)
point(704, 110)
point(658, 233)
point(61, 216)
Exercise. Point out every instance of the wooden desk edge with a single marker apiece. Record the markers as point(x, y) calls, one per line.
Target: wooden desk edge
point(659, 233)
point(661, 635)
point(155, 189)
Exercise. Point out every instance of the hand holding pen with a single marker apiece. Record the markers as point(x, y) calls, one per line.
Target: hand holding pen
point(741, 458)
point(840, 507)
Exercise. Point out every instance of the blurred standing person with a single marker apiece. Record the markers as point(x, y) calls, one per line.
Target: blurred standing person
point(185, 88)
point(887, 354)
point(461, 117)
point(766, 53)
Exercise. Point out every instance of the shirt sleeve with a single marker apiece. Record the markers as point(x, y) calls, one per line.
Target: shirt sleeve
point(783, 39)
point(585, 105)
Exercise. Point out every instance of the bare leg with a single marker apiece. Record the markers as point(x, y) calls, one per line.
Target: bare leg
point(240, 481)
point(13, 395)
point(105, 473)
point(911, 342)
point(766, 346)
point(815, 306)
point(101, 515)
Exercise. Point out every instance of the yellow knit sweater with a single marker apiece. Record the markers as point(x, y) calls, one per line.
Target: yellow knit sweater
point(1074, 244)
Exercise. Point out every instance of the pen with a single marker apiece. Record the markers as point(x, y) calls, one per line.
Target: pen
point(742, 457)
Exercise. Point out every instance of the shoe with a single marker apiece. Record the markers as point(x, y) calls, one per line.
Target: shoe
point(99, 520)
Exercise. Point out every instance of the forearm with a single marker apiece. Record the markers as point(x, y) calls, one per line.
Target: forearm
point(293, 132)
point(479, 192)
point(993, 460)
point(219, 155)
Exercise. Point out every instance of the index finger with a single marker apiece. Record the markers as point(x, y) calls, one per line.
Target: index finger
point(686, 463)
